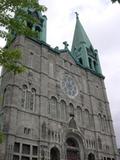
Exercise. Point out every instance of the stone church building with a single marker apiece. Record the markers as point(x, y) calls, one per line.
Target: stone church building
point(58, 108)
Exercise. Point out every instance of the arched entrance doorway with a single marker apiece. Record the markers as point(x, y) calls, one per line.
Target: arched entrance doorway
point(54, 154)
point(91, 156)
point(73, 152)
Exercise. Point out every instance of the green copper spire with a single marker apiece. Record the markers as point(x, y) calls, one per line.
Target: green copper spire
point(80, 35)
point(82, 50)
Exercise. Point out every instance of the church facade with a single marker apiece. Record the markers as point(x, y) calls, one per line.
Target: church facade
point(58, 108)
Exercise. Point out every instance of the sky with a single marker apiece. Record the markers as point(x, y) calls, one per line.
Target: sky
point(101, 21)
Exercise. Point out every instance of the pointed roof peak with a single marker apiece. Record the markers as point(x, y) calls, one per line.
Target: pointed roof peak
point(80, 35)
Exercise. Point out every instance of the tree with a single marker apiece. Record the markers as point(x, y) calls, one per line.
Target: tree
point(113, 1)
point(13, 16)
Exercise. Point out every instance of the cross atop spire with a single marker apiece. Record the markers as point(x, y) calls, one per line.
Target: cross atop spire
point(77, 15)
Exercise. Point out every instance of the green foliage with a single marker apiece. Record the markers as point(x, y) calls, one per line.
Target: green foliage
point(113, 1)
point(10, 58)
point(13, 17)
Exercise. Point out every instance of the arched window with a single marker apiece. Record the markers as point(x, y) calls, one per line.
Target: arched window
point(71, 142)
point(82, 99)
point(103, 126)
point(105, 123)
point(81, 61)
point(54, 154)
point(63, 110)
point(37, 28)
point(91, 156)
point(71, 109)
point(79, 115)
point(86, 118)
point(91, 117)
point(29, 25)
point(23, 98)
point(95, 65)
point(32, 99)
point(44, 130)
point(53, 107)
point(100, 121)
point(72, 149)
point(90, 63)
point(99, 143)
point(28, 98)
point(4, 97)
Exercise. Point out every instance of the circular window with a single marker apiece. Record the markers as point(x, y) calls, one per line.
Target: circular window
point(69, 86)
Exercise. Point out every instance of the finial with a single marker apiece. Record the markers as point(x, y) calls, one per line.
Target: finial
point(77, 15)
point(66, 45)
point(57, 48)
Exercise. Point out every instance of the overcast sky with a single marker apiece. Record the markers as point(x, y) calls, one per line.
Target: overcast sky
point(101, 21)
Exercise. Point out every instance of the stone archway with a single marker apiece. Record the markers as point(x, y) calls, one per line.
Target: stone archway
point(73, 151)
point(91, 156)
point(54, 154)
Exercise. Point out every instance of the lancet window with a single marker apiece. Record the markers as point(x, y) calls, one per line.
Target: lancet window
point(79, 115)
point(28, 98)
point(63, 110)
point(71, 109)
point(86, 118)
point(100, 121)
point(53, 107)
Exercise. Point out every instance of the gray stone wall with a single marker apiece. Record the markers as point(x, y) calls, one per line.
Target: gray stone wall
point(37, 110)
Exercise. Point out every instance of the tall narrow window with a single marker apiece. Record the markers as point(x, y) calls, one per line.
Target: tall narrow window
point(23, 99)
point(28, 98)
point(32, 99)
point(4, 97)
point(44, 130)
point(38, 30)
point(63, 110)
point(34, 150)
point(100, 121)
point(16, 147)
point(99, 143)
point(31, 57)
point(26, 149)
point(90, 63)
point(51, 69)
point(95, 65)
point(53, 107)
point(105, 123)
point(79, 115)
point(81, 61)
point(86, 118)
point(72, 149)
point(71, 109)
